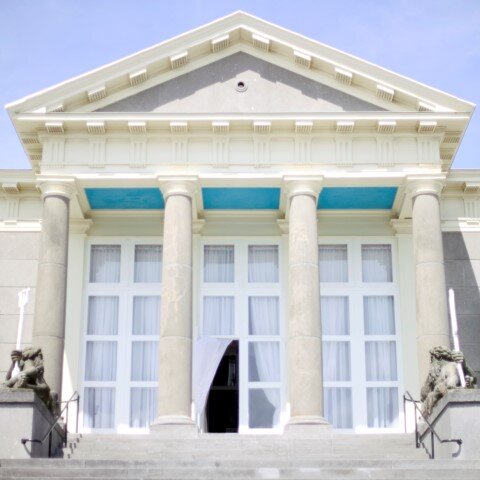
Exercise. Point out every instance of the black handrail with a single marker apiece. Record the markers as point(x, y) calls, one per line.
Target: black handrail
point(407, 397)
point(74, 398)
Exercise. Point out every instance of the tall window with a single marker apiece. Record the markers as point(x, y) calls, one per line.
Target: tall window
point(360, 344)
point(122, 319)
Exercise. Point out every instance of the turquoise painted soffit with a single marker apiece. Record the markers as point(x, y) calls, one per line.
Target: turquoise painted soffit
point(125, 198)
point(357, 198)
point(241, 198)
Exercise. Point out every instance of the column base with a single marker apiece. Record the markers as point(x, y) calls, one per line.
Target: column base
point(307, 426)
point(174, 426)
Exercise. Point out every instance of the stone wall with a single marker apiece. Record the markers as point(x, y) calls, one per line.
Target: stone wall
point(18, 270)
point(462, 270)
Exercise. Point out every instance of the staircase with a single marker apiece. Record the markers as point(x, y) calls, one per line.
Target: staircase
point(236, 457)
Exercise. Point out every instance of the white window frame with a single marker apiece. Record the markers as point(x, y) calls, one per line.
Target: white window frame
point(241, 289)
point(355, 289)
point(126, 289)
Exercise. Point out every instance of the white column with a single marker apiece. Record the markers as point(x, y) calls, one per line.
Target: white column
point(175, 345)
point(304, 348)
point(51, 292)
point(431, 291)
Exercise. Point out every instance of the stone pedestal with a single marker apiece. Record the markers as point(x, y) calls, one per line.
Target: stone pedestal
point(431, 291)
point(175, 345)
point(24, 415)
point(51, 291)
point(304, 348)
point(456, 416)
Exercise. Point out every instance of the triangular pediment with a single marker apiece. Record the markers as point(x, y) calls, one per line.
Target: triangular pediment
point(240, 83)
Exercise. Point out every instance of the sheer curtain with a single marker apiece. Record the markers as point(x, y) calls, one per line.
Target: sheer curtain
point(219, 264)
point(334, 312)
point(382, 407)
point(144, 365)
point(99, 407)
point(263, 263)
point(378, 315)
point(148, 264)
point(101, 361)
point(381, 361)
point(338, 406)
point(102, 316)
point(143, 406)
point(146, 315)
point(105, 264)
point(333, 263)
point(218, 316)
point(336, 361)
point(263, 316)
point(377, 263)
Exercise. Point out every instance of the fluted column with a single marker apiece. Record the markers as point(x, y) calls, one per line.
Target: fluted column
point(305, 376)
point(175, 345)
point(431, 292)
point(51, 289)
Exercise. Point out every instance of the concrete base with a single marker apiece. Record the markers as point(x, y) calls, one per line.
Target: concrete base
point(456, 416)
point(174, 427)
point(24, 415)
point(307, 427)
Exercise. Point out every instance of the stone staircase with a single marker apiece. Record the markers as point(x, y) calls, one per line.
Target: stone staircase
point(237, 457)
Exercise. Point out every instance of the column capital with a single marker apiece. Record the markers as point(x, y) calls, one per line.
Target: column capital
point(425, 185)
point(59, 187)
point(302, 185)
point(178, 185)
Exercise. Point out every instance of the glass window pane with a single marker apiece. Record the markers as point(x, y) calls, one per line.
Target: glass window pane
point(143, 407)
point(263, 407)
point(99, 408)
point(102, 316)
point(263, 263)
point(333, 263)
point(146, 315)
point(219, 264)
point(336, 361)
point(101, 361)
point(148, 264)
point(338, 406)
point(263, 316)
point(378, 315)
point(144, 361)
point(381, 361)
point(334, 314)
point(218, 316)
point(263, 362)
point(105, 264)
point(382, 407)
point(377, 263)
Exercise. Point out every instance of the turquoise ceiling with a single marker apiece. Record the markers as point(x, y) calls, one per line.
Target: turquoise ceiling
point(241, 198)
point(124, 198)
point(357, 198)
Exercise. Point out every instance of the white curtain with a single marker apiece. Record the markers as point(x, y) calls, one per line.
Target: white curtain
point(219, 264)
point(143, 406)
point(336, 361)
point(333, 263)
point(146, 315)
point(105, 264)
point(263, 316)
point(263, 362)
point(99, 407)
point(207, 354)
point(382, 407)
point(102, 316)
point(338, 406)
point(144, 361)
point(263, 263)
point(334, 312)
point(381, 361)
point(377, 263)
point(218, 315)
point(263, 407)
point(148, 264)
point(101, 361)
point(378, 314)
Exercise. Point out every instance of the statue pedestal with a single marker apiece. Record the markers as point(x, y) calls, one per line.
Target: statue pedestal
point(24, 415)
point(456, 415)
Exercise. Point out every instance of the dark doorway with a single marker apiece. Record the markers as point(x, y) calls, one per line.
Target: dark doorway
point(222, 403)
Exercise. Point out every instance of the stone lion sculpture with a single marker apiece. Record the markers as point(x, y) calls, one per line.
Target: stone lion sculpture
point(443, 376)
point(30, 363)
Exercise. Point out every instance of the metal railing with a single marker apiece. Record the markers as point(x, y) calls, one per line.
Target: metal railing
point(75, 398)
point(407, 397)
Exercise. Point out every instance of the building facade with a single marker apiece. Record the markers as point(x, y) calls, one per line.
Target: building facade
point(244, 205)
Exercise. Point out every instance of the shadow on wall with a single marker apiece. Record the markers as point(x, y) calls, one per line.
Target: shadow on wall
point(462, 270)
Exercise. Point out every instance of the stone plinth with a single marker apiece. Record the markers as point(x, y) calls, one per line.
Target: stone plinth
point(24, 415)
point(456, 416)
